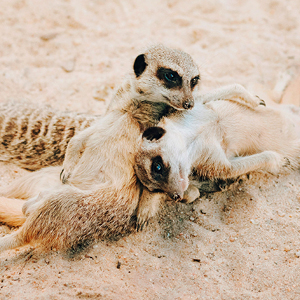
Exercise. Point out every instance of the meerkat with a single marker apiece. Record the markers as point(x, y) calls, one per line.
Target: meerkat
point(95, 164)
point(35, 136)
point(106, 178)
point(69, 216)
point(218, 140)
point(106, 199)
point(162, 80)
point(32, 184)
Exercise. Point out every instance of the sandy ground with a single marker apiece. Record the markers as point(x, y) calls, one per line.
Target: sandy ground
point(239, 244)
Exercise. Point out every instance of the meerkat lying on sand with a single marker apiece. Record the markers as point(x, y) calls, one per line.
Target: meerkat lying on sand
point(106, 200)
point(34, 136)
point(162, 79)
point(110, 147)
point(221, 139)
point(100, 167)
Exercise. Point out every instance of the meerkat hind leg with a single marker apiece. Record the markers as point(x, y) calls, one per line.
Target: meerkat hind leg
point(11, 211)
point(267, 160)
point(33, 183)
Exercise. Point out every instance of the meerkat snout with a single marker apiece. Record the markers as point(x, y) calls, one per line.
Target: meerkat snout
point(176, 197)
point(166, 75)
point(188, 104)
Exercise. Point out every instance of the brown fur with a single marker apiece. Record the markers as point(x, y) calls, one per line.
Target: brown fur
point(102, 211)
point(33, 137)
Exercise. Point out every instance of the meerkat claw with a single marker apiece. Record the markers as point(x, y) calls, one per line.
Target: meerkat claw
point(61, 173)
point(141, 225)
point(64, 177)
point(261, 102)
point(287, 162)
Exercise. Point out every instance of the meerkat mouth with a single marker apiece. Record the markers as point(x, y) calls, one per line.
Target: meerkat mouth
point(169, 102)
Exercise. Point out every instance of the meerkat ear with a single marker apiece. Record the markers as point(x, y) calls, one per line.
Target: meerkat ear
point(153, 133)
point(139, 65)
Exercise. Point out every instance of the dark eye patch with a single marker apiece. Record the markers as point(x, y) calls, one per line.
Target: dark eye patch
point(170, 78)
point(195, 81)
point(159, 171)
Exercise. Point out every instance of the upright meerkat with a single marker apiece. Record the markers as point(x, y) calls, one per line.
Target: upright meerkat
point(162, 80)
point(219, 140)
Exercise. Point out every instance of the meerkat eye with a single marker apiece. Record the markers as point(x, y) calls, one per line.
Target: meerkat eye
point(194, 81)
point(157, 166)
point(169, 76)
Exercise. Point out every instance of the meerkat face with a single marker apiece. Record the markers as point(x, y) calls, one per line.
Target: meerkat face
point(158, 167)
point(166, 75)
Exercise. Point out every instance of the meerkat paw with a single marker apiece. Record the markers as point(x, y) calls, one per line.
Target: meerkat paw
point(261, 101)
point(244, 97)
point(74, 153)
point(148, 206)
point(191, 194)
point(68, 168)
point(33, 203)
point(144, 214)
point(276, 161)
point(29, 206)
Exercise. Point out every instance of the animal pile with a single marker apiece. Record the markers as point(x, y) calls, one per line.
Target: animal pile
point(157, 140)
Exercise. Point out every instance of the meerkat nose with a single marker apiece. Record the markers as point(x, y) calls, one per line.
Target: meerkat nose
point(188, 104)
point(176, 197)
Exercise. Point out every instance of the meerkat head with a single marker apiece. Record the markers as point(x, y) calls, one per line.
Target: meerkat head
point(165, 75)
point(159, 167)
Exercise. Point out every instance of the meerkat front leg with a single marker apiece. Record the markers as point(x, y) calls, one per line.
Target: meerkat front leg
point(234, 92)
point(150, 201)
point(74, 152)
point(148, 206)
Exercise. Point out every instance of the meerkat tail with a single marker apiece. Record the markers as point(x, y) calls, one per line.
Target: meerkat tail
point(11, 211)
point(11, 241)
